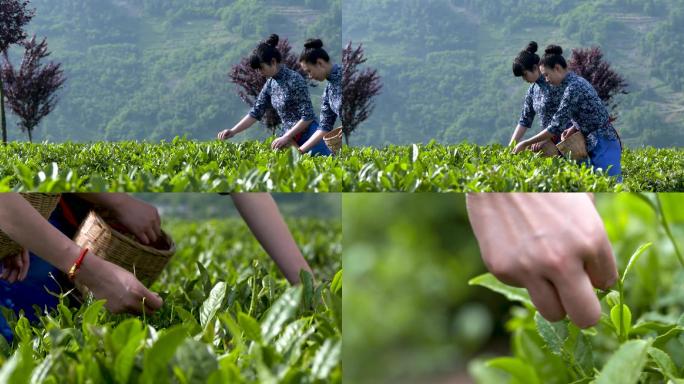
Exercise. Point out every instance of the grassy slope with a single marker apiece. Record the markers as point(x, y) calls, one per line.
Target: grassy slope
point(196, 54)
point(496, 47)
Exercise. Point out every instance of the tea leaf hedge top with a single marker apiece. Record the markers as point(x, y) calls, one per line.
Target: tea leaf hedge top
point(331, 104)
point(582, 104)
point(542, 99)
point(288, 93)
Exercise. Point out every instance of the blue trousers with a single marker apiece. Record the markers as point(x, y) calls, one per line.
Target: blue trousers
point(607, 155)
point(23, 295)
point(320, 148)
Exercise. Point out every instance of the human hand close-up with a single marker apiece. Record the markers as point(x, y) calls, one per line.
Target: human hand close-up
point(281, 142)
point(521, 146)
point(536, 147)
point(226, 134)
point(140, 218)
point(15, 267)
point(122, 290)
point(568, 132)
point(553, 244)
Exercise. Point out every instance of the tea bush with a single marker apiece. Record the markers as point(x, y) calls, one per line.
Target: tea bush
point(191, 166)
point(228, 316)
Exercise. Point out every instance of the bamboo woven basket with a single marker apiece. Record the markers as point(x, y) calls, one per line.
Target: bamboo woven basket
point(549, 149)
point(145, 262)
point(575, 146)
point(333, 139)
point(44, 203)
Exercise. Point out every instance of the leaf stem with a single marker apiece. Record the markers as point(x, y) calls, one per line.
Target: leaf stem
point(621, 335)
point(666, 227)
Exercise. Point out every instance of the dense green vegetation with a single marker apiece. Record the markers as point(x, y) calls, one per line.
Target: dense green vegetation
point(407, 273)
point(229, 316)
point(446, 64)
point(190, 166)
point(156, 69)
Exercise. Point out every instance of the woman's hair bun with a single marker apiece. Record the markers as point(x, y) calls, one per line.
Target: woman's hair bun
point(553, 50)
point(313, 44)
point(273, 40)
point(532, 47)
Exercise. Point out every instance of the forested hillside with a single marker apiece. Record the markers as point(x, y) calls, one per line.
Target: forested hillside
point(446, 64)
point(154, 69)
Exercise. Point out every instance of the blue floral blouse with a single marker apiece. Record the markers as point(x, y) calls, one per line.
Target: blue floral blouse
point(288, 93)
point(582, 104)
point(331, 104)
point(542, 99)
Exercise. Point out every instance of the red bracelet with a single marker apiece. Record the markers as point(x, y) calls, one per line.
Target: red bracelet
point(77, 265)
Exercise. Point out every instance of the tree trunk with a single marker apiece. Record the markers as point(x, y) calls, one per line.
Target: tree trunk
point(2, 111)
point(30, 134)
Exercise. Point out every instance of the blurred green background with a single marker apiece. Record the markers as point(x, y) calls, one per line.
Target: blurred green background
point(201, 206)
point(409, 314)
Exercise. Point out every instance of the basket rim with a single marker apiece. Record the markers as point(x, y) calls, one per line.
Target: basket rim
point(572, 138)
point(334, 134)
point(136, 244)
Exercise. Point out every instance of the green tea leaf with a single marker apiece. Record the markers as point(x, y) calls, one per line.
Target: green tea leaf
point(250, 326)
point(488, 280)
point(5, 348)
point(189, 321)
point(212, 304)
point(336, 284)
point(65, 315)
point(158, 356)
point(90, 315)
point(289, 344)
point(326, 358)
point(484, 374)
point(125, 359)
point(518, 369)
point(529, 346)
point(280, 312)
point(308, 288)
point(40, 373)
point(554, 334)
point(626, 319)
point(18, 369)
point(579, 345)
point(613, 298)
point(625, 365)
point(195, 360)
point(664, 362)
point(634, 258)
point(129, 329)
point(661, 340)
point(645, 327)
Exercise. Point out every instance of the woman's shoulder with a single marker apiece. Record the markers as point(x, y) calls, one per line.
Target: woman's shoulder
point(578, 81)
point(268, 83)
point(336, 74)
point(291, 73)
point(533, 88)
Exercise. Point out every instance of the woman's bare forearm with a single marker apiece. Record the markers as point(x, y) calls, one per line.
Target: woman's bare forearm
point(263, 217)
point(21, 222)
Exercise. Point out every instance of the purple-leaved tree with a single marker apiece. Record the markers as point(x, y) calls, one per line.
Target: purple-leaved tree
point(14, 15)
point(250, 81)
point(31, 90)
point(589, 63)
point(359, 87)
